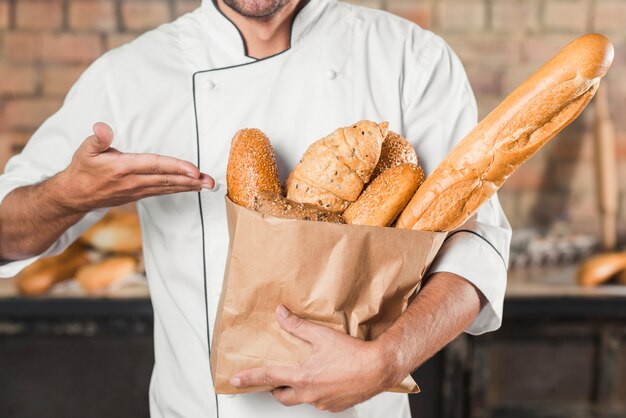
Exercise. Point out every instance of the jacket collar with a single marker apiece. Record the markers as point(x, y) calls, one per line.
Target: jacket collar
point(303, 23)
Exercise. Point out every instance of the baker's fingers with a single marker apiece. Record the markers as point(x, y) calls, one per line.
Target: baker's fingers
point(286, 396)
point(165, 190)
point(275, 376)
point(157, 164)
point(155, 180)
point(301, 328)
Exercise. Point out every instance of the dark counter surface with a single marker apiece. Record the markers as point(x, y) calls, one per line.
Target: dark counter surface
point(531, 292)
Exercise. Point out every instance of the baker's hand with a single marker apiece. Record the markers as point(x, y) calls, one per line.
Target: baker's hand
point(340, 372)
point(101, 176)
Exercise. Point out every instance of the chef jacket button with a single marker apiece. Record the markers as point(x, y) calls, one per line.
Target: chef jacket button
point(331, 74)
point(210, 85)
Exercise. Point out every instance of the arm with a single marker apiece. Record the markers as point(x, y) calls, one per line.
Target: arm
point(33, 217)
point(61, 183)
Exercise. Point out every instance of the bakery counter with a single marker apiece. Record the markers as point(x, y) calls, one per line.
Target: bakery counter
point(72, 355)
point(542, 292)
point(561, 352)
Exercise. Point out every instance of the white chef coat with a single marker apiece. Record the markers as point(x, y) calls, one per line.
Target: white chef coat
point(185, 88)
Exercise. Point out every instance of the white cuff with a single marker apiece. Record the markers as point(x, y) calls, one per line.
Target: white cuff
point(469, 255)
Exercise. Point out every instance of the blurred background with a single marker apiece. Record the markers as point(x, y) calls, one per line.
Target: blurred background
point(84, 347)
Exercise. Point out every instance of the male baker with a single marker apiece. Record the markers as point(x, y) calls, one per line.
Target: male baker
point(158, 115)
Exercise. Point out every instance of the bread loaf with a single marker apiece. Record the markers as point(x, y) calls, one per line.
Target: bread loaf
point(531, 115)
point(117, 232)
point(601, 268)
point(395, 151)
point(273, 204)
point(40, 276)
point(334, 169)
point(386, 196)
point(251, 167)
point(96, 277)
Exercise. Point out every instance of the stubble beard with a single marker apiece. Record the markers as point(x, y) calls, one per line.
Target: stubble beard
point(257, 9)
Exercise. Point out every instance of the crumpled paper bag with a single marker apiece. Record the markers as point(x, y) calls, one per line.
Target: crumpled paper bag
point(355, 279)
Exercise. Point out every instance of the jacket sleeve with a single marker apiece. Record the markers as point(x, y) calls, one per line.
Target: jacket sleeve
point(440, 110)
point(51, 147)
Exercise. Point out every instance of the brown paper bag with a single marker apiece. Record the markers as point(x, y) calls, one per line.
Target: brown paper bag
point(356, 279)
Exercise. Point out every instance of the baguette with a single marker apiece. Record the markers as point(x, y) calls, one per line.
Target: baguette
point(385, 197)
point(273, 204)
point(40, 276)
point(536, 111)
point(94, 278)
point(601, 268)
point(251, 167)
point(334, 169)
point(395, 151)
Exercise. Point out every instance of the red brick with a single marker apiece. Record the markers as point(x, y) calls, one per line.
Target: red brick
point(38, 14)
point(27, 113)
point(461, 15)
point(57, 80)
point(566, 15)
point(185, 6)
point(609, 17)
point(485, 80)
point(485, 49)
point(70, 48)
point(541, 48)
point(15, 140)
point(486, 103)
point(419, 12)
point(22, 46)
point(113, 40)
point(516, 75)
point(11, 143)
point(514, 16)
point(525, 177)
point(143, 15)
point(4, 14)
point(17, 80)
point(98, 15)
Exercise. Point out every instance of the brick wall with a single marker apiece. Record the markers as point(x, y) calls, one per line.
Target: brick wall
point(46, 44)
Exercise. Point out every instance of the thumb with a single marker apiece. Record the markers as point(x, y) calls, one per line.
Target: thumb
point(102, 138)
point(296, 326)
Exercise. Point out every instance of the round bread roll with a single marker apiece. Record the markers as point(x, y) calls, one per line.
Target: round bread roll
point(94, 278)
point(117, 232)
point(395, 151)
point(273, 204)
point(386, 196)
point(251, 167)
point(601, 268)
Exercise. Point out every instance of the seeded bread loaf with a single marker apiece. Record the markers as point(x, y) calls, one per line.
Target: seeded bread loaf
point(395, 151)
point(334, 169)
point(251, 167)
point(273, 204)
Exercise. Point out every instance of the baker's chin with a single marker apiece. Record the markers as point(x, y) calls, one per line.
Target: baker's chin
point(257, 9)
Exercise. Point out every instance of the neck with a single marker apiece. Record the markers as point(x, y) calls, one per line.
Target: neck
point(265, 37)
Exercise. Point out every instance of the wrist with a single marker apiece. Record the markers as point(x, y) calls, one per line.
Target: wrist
point(58, 190)
point(390, 365)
